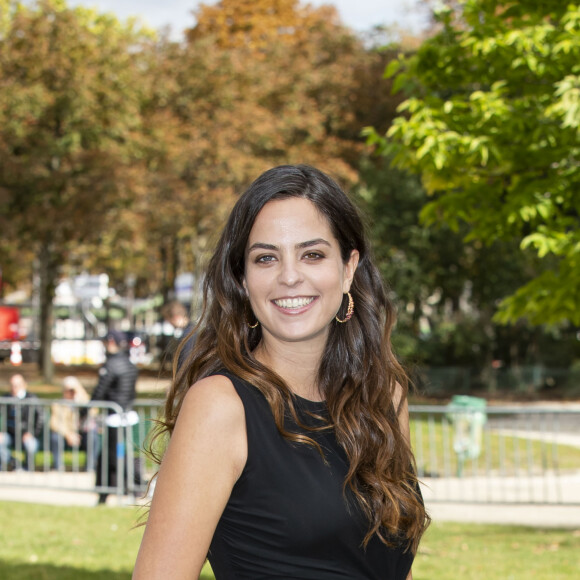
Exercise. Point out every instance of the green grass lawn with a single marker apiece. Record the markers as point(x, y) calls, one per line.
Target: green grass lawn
point(484, 552)
point(66, 543)
point(40, 542)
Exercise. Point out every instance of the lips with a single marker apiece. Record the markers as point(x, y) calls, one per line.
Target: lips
point(290, 303)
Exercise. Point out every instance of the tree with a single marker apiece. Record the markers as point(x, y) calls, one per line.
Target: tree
point(445, 289)
point(293, 74)
point(257, 24)
point(224, 106)
point(492, 126)
point(69, 114)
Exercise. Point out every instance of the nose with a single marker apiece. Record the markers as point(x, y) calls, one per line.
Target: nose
point(290, 273)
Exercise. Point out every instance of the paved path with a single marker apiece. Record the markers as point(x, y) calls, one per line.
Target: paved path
point(56, 488)
point(539, 516)
point(553, 516)
point(543, 516)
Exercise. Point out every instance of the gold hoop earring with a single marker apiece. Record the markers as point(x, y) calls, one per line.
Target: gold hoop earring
point(253, 325)
point(349, 310)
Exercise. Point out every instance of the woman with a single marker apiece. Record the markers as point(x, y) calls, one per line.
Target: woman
point(68, 430)
point(289, 455)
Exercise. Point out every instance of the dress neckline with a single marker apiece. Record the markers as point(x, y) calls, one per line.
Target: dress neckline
point(309, 405)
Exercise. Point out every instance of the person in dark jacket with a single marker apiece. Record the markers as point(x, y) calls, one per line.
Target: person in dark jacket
point(117, 380)
point(24, 423)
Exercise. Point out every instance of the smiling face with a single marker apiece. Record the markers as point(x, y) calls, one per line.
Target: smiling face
point(294, 274)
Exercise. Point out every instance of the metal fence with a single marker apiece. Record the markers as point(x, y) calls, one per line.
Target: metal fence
point(496, 455)
point(516, 455)
point(108, 458)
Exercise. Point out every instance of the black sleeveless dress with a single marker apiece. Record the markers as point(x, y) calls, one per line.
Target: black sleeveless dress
point(287, 517)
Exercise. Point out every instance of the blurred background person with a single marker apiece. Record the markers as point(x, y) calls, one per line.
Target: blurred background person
point(22, 422)
point(117, 383)
point(73, 427)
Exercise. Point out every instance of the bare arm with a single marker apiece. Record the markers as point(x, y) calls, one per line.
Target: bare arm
point(205, 457)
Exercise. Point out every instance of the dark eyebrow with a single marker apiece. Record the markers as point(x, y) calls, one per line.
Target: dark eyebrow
point(262, 246)
point(313, 243)
point(301, 245)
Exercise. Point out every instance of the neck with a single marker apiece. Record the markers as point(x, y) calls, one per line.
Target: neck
point(295, 363)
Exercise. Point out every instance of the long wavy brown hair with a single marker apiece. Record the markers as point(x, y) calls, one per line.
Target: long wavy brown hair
point(358, 373)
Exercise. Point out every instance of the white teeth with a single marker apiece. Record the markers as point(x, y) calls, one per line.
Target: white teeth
point(293, 302)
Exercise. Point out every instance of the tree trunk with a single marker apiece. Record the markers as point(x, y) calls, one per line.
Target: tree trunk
point(169, 252)
point(48, 271)
point(165, 283)
point(197, 290)
point(174, 261)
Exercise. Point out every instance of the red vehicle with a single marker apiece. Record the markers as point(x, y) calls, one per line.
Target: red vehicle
point(9, 317)
point(14, 347)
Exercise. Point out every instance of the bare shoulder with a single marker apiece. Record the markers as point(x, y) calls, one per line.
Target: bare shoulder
point(212, 422)
point(216, 390)
point(214, 401)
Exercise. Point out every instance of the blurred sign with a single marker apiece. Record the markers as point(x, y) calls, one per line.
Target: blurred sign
point(86, 286)
point(184, 287)
point(78, 352)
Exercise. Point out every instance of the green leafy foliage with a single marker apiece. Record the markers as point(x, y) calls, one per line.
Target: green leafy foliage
point(446, 288)
point(493, 128)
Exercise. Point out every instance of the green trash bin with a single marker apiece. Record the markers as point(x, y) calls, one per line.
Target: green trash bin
point(468, 416)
